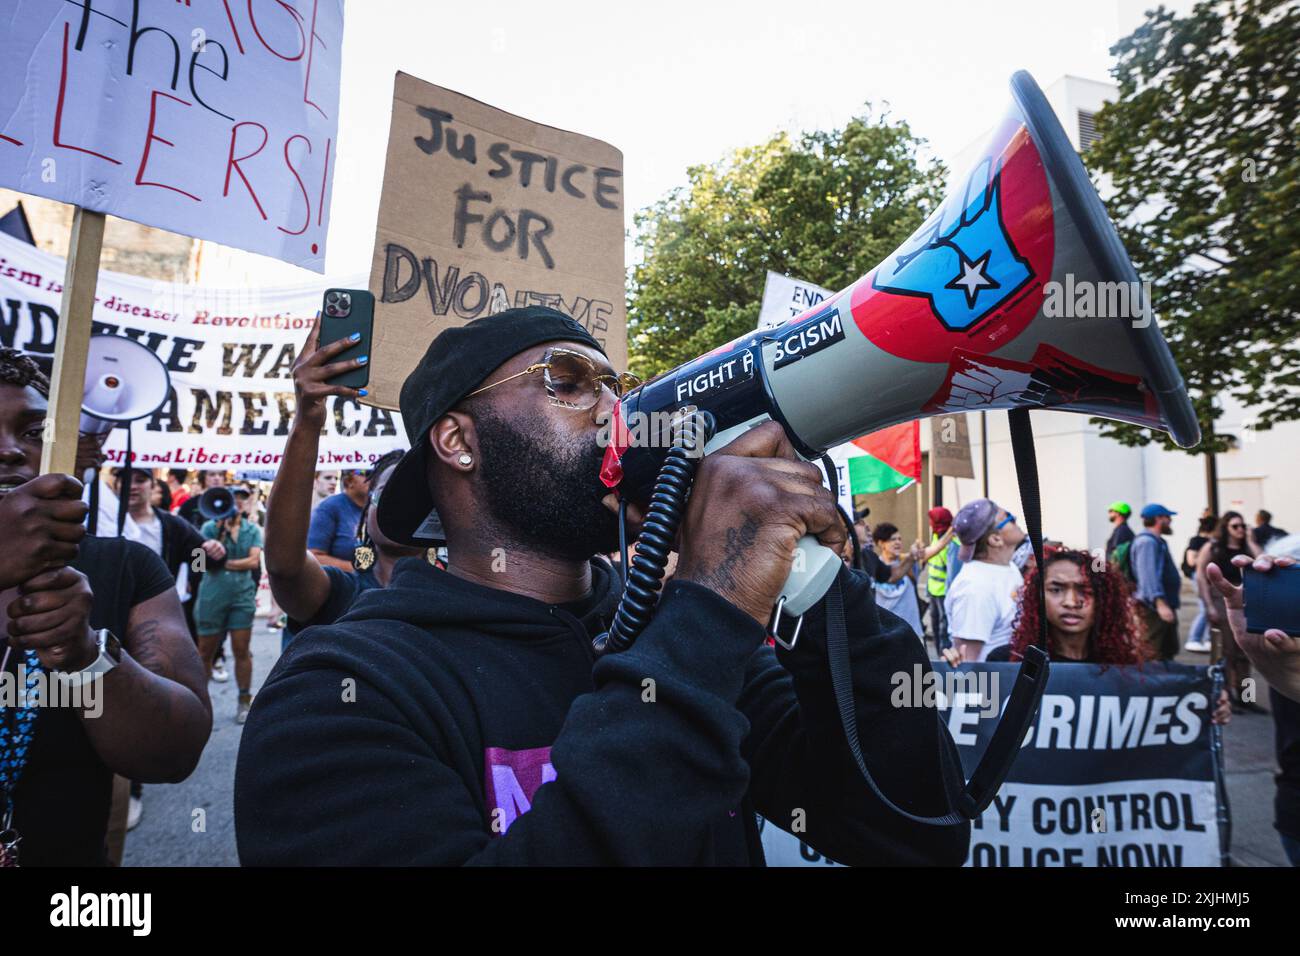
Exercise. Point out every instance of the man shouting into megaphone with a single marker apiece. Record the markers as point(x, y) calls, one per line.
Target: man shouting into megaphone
point(462, 717)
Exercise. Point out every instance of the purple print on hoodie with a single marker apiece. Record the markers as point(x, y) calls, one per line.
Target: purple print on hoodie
point(511, 778)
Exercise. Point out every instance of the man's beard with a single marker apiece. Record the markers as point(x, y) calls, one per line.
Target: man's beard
point(546, 493)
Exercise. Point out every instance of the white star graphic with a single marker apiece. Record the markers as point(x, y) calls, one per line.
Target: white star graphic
point(973, 278)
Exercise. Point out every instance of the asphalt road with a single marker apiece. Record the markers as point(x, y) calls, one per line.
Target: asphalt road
point(1249, 763)
point(172, 831)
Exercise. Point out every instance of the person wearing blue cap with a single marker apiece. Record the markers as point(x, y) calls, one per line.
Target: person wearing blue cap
point(1157, 581)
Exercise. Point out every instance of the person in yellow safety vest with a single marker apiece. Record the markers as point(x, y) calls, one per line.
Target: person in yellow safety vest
point(936, 562)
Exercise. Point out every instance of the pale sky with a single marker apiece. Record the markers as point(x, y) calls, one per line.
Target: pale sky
point(677, 83)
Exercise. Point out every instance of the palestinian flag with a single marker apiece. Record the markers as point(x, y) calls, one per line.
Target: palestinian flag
point(889, 458)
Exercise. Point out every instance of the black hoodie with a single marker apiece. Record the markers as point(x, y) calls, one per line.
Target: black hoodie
point(443, 722)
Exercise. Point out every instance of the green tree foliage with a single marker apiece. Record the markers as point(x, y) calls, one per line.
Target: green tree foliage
point(825, 209)
point(1200, 148)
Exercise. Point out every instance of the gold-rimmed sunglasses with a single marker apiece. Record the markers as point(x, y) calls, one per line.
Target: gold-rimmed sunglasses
point(571, 379)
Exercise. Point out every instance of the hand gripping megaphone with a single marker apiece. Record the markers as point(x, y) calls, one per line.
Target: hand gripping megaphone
point(218, 504)
point(981, 308)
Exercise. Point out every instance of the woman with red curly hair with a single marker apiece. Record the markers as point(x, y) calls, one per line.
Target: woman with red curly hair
point(1089, 613)
point(1089, 617)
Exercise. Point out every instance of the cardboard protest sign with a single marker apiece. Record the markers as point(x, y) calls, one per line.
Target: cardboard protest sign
point(214, 120)
point(950, 446)
point(484, 211)
point(229, 353)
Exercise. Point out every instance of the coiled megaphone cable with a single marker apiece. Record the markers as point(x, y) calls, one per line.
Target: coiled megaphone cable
point(643, 579)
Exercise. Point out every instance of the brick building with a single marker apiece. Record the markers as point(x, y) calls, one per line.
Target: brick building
point(128, 246)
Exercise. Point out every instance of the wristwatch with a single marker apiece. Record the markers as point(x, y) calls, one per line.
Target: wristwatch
point(110, 655)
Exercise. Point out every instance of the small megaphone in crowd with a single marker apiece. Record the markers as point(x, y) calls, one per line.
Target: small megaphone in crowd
point(124, 381)
point(960, 318)
point(218, 504)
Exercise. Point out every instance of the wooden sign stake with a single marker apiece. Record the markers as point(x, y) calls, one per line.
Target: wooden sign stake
point(921, 526)
point(68, 382)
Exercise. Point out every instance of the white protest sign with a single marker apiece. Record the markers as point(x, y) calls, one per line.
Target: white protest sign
point(840, 456)
point(230, 355)
point(215, 120)
point(784, 298)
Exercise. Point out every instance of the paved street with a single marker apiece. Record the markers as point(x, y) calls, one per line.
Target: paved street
point(166, 834)
point(1248, 753)
point(166, 837)
point(1248, 756)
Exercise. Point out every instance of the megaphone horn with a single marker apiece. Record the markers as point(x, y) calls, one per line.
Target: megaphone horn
point(125, 381)
point(217, 504)
point(971, 313)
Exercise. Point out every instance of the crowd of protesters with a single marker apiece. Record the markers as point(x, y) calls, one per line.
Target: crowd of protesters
point(162, 603)
point(981, 586)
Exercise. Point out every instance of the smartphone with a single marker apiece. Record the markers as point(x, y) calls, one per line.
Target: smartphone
point(343, 312)
point(1272, 600)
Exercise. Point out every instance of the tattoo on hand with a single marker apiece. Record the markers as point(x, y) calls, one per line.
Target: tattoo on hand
point(739, 542)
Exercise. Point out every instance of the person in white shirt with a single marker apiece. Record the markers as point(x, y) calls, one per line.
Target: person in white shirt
point(983, 602)
point(140, 507)
point(170, 537)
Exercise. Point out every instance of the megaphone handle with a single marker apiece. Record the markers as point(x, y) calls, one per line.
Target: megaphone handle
point(815, 565)
point(814, 570)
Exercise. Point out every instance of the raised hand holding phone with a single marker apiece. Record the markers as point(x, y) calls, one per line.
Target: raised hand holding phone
point(1274, 653)
point(318, 370)
point(347, 315)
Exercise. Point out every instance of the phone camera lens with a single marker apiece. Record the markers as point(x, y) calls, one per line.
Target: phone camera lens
point(338, 304)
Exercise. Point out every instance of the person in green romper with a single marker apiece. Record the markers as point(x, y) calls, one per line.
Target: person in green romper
point(228, 597)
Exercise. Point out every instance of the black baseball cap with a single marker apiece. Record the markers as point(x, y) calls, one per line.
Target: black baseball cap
point(456, 363)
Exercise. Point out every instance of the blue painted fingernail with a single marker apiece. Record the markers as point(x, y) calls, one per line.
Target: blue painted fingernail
point(355, 336)
point(363, 360)
point(362, 391)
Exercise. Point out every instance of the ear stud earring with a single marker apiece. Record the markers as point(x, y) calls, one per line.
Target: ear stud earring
point(465, 459)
